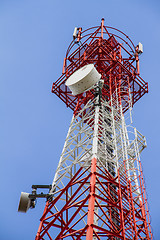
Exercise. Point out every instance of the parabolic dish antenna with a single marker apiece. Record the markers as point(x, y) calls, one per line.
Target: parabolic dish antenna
point(24, 203)
point(83, 79)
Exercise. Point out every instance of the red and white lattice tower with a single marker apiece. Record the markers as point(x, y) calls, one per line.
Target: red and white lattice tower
point(98, 189)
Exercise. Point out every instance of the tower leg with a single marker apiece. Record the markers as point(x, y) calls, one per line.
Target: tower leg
point(91, 204)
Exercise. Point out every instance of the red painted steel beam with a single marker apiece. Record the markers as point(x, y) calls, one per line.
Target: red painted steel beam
point(91, 204)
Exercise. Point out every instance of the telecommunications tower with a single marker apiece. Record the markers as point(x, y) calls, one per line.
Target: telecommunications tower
point(98, 189)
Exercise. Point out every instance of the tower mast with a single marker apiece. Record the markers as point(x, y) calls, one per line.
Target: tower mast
point(98, 189)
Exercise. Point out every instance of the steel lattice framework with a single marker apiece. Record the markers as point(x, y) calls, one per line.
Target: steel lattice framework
point(98, 188)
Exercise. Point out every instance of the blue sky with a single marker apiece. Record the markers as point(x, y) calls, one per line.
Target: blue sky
point(34, 36)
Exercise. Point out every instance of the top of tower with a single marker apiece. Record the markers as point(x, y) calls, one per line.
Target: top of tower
point(114, 56)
